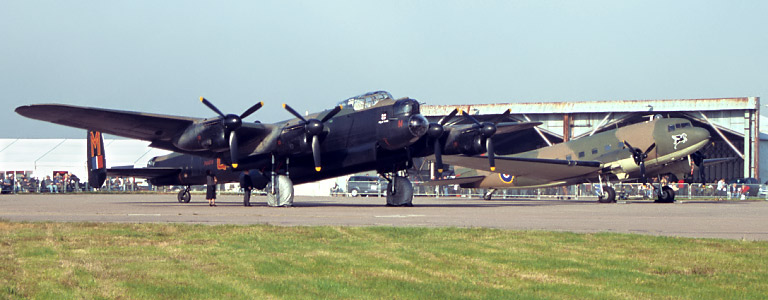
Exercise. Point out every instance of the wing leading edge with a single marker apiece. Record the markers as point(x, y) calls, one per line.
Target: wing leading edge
point(540, 168)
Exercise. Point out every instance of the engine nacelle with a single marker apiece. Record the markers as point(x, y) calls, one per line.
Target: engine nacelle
point(203, 136)
point(468, 143)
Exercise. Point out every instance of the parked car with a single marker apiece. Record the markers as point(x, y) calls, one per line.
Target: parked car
point(366, 186)
point(753, 184)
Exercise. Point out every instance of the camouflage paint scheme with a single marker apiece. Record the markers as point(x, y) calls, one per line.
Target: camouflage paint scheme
point(581, 160)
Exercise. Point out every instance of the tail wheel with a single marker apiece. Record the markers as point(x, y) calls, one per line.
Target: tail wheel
point(184, 196)
point(608, 196)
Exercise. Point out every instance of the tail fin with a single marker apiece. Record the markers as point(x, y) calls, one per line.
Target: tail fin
point(97, 164)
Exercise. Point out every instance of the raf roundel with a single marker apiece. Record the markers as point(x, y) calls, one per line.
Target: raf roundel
point(506, 178)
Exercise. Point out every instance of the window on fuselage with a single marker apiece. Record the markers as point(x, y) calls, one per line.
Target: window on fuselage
point(608, 147)
point(568, 157)
point(671, 128)
point(686, 125)
point(581, 154)
point(594, 151)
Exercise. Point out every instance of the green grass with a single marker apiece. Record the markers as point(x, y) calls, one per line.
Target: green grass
point(150, 261)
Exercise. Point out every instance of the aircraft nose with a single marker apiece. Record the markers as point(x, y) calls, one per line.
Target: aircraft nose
point(698, 134)
point(418, 125)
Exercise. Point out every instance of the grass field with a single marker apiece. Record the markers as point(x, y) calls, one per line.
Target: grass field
point(150, 261)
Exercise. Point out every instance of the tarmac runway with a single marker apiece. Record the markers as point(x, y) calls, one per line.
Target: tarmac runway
point(704, 219)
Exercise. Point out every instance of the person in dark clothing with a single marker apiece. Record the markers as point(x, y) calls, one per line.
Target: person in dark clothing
point(210, 193)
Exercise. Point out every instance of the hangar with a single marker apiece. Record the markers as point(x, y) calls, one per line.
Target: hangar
point(734, 125)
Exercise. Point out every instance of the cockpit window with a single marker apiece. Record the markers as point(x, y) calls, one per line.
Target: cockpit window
point(366, 100)
point(686, 125)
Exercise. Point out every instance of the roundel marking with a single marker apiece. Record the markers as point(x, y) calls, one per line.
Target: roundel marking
point(506, 178)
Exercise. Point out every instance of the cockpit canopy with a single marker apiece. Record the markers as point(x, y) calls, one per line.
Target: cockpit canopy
point(365, 100)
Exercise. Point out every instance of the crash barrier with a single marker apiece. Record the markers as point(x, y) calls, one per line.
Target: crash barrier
point(624, 191)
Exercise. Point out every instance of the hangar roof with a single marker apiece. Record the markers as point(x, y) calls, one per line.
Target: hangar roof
point(713, 104)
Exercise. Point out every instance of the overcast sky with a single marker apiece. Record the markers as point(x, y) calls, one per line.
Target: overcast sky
point(160, 56)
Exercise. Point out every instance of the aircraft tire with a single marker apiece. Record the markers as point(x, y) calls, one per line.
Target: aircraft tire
point(354, 193)
point(403, 195)
point(184, 196)
point(487, 196)
point(609, 195)
point(667, 195)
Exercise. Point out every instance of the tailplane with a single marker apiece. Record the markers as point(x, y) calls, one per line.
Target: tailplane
point(97, 164)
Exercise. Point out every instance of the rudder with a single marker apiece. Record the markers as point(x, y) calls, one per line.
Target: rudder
point(97, 164)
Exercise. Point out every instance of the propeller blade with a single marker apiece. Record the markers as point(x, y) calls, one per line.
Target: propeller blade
point(471, 118)
point(642, 172)
point(330, 115)
point(629, 146)
point(490, 152)
point(233, 152)
point(447, 118)
point(251, 110)
point(649, 149)
point(503, 116)
point(316, 152)
point(438, 158)
point(211, 106)
point(293, 112)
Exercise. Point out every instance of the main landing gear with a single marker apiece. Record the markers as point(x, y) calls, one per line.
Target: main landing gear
point(489, 194)
point(184, 196)
point(666, 195)
point(608, 195)
point(399, 191)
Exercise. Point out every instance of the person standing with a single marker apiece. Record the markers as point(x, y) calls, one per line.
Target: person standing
point(210, 192)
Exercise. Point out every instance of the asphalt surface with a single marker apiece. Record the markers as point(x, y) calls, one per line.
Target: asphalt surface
point(704, 219)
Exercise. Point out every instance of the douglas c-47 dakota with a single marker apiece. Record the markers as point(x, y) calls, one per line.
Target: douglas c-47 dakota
point(657, 147)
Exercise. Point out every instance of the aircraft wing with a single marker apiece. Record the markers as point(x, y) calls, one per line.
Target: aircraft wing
point(549, 169)
point(156, 128)
point(450, 181)
point(135, 125)
point(507, 127)
point(714, 161)
point(148, 172)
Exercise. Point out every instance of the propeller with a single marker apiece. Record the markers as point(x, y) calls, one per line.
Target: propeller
point(639, 156)
point(231, 123)
point(487, 130)
point(698, 158)
point(314, 128)
point(435, 131)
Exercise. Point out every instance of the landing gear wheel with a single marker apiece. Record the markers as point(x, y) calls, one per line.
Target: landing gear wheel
point(667, 195)
point(354, 193)
point(400, 192)
point(488, 195)
point(247, 197)
point(608, 196)
point(184, 196)
point(284, 196)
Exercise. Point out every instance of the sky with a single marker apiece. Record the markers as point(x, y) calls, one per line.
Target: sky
point(161, 56)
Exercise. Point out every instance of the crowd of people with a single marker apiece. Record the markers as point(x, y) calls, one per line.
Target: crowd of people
point(58, 183)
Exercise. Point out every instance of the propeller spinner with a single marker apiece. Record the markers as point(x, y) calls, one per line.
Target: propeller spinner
point(639, 157)
point(231, 123)
point(314, 128)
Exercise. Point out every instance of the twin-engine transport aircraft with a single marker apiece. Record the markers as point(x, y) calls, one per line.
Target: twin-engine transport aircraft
point(368, 132)
point(653, 148)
